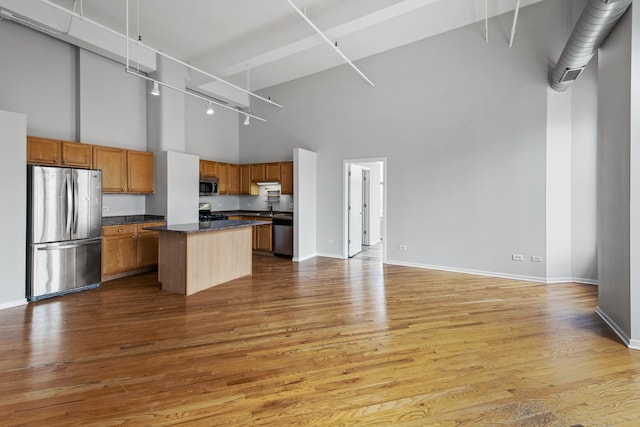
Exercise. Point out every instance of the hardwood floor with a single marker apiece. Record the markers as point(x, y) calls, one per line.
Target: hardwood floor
point(321, 343)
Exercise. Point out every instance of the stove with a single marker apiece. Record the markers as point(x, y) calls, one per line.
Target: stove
point(208, 216)
point(205, 214)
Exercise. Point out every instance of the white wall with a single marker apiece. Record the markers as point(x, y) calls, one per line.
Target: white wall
point(463, 126)
point(13, 218)
point(614, 173)
point(305, 204)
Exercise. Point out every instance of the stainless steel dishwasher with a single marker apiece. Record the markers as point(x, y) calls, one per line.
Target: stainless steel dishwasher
point(283, 236)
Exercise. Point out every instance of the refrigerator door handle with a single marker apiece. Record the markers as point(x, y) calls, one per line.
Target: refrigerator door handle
point(69, 203)
point(75, 204)
point(65, 245)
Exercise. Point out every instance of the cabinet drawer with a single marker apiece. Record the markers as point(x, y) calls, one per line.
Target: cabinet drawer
point(118, 230)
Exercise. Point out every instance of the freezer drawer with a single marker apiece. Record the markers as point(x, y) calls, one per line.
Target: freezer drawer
point(58, 268)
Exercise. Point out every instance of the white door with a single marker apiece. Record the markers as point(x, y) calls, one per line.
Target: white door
point(355, 209)
point(366, 206)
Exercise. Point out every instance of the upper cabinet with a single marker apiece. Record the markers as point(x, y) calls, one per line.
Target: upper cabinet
point(272, 172)
point(208, 169)
point(246, 185)
point(124, 171)
point(233, 179)
point(286, 178)
point(223, 178)
point(257, 172)
point(112, 162)
point(44, 151)
point(140, 172)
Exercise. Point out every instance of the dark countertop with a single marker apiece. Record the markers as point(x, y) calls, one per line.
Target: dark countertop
point(130, 219)
point(206, 226)
point(263, 214)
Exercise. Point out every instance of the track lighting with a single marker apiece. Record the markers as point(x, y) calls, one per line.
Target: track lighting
point(246, 120)
point(210, 109)
point(156, 90)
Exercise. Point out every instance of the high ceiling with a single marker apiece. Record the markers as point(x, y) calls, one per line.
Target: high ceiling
point(228, 37)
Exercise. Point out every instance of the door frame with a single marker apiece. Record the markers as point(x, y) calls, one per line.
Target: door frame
point(345, 203)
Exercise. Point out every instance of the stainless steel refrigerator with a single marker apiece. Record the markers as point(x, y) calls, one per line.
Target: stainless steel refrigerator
point(64, 230)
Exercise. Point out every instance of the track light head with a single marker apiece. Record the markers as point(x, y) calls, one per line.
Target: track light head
point(156, 89)
point(210, 109)
point(246, 120)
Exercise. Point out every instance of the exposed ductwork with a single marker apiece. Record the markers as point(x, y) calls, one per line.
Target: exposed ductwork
point(594, 25)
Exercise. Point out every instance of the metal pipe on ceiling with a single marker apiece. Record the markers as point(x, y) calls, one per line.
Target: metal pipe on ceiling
point(594, 25)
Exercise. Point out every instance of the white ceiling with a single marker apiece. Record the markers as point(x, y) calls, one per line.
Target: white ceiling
point(226, 37)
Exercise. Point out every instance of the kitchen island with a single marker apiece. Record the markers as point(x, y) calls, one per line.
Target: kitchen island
point(194, 257)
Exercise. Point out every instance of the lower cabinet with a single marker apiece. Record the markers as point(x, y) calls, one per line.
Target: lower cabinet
point(128, 248)
point(262, 240)
point(262, 234)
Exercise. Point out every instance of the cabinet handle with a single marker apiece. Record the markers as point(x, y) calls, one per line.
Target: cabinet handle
point(133, 237)
point(64, 162)
point(55, 161)
point(139, 236)
point(122, 188)
point(119, 230)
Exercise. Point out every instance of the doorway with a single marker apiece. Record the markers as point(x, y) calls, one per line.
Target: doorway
point(365, 209)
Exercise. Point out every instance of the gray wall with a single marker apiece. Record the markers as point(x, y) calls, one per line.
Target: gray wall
point(38, 78)
point(463, 126)
point(614, 102)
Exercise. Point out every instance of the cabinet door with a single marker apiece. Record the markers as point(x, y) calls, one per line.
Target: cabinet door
point(147, 251)
point(263, 237)
point(113, 163)
point(140, 172)
point(257, 172)
point(210, 169)
point(223, 178)
point(245, 179)
point(43, 151)
point(119, 245)
point(234, 179)
point(286, 178)
point(76, 154)
point(272, 171)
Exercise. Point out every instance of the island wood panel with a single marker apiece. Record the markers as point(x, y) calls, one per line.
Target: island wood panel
point(191, 262)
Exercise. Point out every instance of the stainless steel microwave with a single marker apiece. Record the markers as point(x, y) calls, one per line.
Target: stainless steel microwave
point(209, 187)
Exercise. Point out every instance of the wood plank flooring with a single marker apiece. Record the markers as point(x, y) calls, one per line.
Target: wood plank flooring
point(321, 343)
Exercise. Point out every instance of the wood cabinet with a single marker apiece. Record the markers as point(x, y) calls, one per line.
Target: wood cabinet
point(272, 171)
point(124, 171)
point(246, 185)
point(113, 163)
point(286, 178)
point(262, 238)
point(128, 248)
point(140, 172)
point(223, 178)
point(233, 179)
point(257, 172)
point(44, 151)
point(208, 169)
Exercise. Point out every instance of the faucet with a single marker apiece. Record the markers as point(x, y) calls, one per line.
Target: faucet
point(270, 209)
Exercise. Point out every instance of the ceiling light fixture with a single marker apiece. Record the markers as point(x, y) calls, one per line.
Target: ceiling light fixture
point(156, 51)
point(156, 90)
point(333, 45)
point(210, 109)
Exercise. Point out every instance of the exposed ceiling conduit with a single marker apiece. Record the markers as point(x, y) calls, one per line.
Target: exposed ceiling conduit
point(594, 25)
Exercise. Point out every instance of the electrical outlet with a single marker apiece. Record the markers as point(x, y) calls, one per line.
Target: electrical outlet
point(536, 259)
point(403, 247)
point(105, 208)
point(517, 257)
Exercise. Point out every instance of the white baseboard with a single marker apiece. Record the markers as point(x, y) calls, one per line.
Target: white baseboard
point(11, 304)
point(328, 255)
point(632, 344)
point(469, 271)
point(580, 280)
point(300, 259)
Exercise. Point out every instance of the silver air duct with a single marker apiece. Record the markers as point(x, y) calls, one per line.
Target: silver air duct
point(594, 25)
